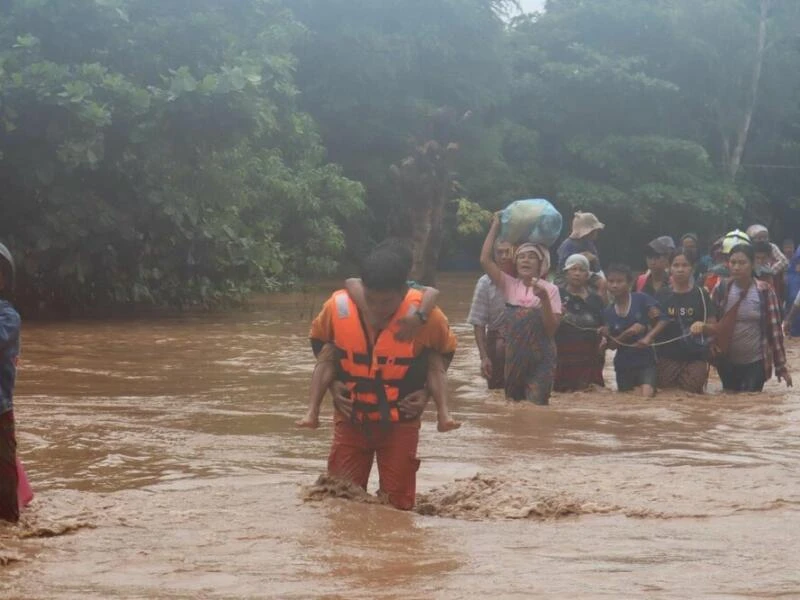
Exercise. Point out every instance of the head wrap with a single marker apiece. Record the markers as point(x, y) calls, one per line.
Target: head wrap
point(754, 230)
point(690, 236)
point(577, 260)
point(542, 253)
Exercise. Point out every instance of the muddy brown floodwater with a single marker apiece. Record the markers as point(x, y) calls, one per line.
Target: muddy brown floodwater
point(166, 465)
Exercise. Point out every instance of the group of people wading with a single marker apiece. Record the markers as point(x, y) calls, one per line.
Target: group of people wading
point(668, 325)
point(383, 347)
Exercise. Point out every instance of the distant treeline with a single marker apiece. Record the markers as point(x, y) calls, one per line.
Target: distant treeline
point(192, 151)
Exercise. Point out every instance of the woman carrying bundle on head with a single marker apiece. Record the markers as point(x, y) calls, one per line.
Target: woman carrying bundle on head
point(532, 314)
point(682, 357)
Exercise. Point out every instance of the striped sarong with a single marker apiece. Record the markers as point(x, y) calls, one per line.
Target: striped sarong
point(530, 356)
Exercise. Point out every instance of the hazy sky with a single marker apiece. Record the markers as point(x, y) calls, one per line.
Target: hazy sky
point(531, 5)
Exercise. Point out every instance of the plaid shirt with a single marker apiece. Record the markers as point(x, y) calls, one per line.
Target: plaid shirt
point(488, 305)
point(772, 349)
point(779, 262)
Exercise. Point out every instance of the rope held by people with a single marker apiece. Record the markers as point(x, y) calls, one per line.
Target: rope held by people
point(621, 343)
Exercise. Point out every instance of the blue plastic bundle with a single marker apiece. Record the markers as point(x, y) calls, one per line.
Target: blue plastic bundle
point(536, 221)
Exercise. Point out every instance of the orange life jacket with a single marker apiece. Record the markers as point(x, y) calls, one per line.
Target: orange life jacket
point(372, 373)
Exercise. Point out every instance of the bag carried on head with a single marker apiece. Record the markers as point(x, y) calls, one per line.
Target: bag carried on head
point(535, 221)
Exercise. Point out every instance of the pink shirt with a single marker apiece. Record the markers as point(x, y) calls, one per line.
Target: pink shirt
point(518, 294)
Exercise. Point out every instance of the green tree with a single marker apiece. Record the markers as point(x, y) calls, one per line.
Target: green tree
point(644, 111)
point(387, 80)
point(153, 152)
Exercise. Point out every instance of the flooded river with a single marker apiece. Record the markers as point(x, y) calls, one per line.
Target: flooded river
point(166, 465)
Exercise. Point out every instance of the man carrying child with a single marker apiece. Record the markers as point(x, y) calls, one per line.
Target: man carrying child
point(380, 381)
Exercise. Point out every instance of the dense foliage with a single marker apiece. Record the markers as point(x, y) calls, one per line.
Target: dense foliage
point(194, 150)
point(153, 152)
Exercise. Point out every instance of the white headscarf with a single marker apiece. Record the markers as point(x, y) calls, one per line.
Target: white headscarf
point(542, 253)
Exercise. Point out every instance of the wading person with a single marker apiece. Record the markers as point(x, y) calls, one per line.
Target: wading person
point(765, 272)
point(658, 254)
point(689, 244)
point(792, 291)
point(531, 320)
point(404, 330)
point(628, 331)
point(578, 343)
point(720, 251)
point(10, 324)
point(586, 229)
point(788, 248)
point(379, 393)
point(682, 357)
point(777, 261)
point(487, 315)
point(748, 337)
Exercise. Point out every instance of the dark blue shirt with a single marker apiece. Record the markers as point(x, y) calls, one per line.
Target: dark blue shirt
point(10, 324)
point(632, 358)
point(570, 246)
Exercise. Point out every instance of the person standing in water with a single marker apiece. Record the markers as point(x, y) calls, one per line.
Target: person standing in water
point(379, 393)
point(405, 330)
point(586, 228)
point(629, 332)
point(683, 358)
point(532, 316)
point(578, 343)
point(10, 325)
point(690, 244)
point(778, 261)
point(658, 254)
point(487, 316)
point(748, 332)
point(788, 248)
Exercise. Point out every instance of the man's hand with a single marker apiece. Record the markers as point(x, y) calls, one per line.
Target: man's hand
point(486, 367)
point(697, 328)
point(341, 398)
point(413, 405)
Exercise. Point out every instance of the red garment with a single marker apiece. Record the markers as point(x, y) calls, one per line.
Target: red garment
point(355, 446)
point(9, 502)
point(712, 279)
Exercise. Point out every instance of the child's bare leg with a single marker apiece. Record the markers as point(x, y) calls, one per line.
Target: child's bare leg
point(648, 391)
point(437, 386)
point(324, 373)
